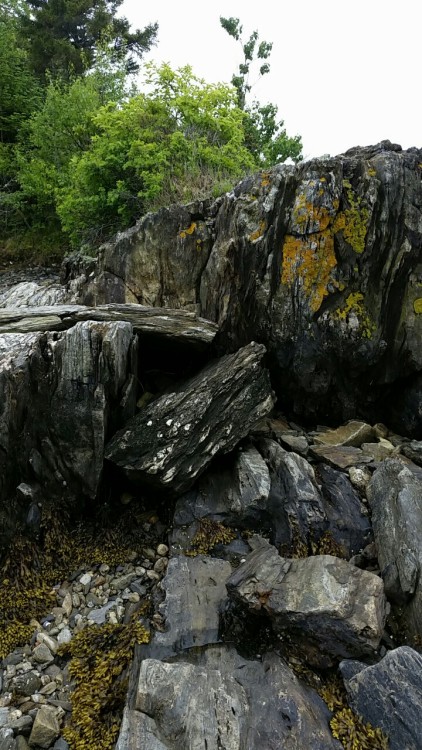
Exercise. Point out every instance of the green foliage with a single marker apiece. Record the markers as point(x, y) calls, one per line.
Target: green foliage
point(265, 136)
point(153, 150)
point(63, 35)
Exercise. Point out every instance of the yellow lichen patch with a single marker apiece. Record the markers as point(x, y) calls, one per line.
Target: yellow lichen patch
point(417, 306)
point(185, 232)
point(100, 656)
point(355, 305)
point(208, 535)
point(305, 213)
point(311, 260)
point(353, 221)
point(265, 179)
point(258, 232)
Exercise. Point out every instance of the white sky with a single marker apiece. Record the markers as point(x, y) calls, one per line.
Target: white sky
point(342, 74)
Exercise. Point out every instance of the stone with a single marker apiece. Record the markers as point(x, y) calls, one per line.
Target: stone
point(42, 654)
point(339, 457)
point(348, 526)
point(236, 704)
point(27, 684)
point(195, 593)
point(394, 495)
point(45, 729)
point(389, 695)
point(328, 608)
point(295, 504)
point(353, 434)
point(295, 443)
point(21, 743)
point(170, 442)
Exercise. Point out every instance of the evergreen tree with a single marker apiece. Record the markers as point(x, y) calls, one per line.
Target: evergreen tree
point(63, 35)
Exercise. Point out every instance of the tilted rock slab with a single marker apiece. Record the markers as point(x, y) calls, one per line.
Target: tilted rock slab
point(214, 699)
point(395, 497)
point(172, 441)
point(389, 695)
point(329, 608)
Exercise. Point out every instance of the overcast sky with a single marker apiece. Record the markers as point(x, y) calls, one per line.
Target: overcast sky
point(342, 74)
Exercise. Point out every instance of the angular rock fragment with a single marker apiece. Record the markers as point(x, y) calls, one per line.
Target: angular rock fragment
point(389, 695)
point(45, 728)
point(395, 495)
point(172, 441)
point(339, 457)
point(326, 606)
point(348, 526)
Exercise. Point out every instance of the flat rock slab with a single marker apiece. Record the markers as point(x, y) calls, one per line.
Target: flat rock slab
point(178, 325)
point(219, 701)
point(173, 440)
point(328, 607)
point(395, 494)
point(339, 457)
point(195, 589)
point(389, 695)
point(353, 434)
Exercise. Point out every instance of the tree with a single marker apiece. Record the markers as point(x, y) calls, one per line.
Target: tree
point(175, 143)
point(265, 136)
point(63, 35)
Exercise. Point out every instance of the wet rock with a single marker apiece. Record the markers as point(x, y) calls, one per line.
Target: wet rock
point(46, 728)
point(389, 695)
point(394, 495)
point(325, 606)
point(172, 441)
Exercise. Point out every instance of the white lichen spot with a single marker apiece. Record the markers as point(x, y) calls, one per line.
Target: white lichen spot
point(187, 427)
point(159, 434)
point(149, 423)
point(169, 422)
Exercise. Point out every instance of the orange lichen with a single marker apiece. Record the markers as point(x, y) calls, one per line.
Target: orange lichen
point(311, 260)
point(258, 232)
point(190, 230)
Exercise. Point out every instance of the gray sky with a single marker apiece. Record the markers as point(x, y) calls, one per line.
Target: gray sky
point(342, 74)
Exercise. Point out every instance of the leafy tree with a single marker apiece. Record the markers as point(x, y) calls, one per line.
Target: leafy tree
point(63, 35)
point(265, 136)
point(173, 143)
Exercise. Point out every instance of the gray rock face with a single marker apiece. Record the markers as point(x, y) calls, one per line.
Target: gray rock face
point(195, 589)
point(158, 262)
point(172, 441)
point(394, 495)
point(389, 695)
point(329, 608)
point(60, 393)
point(348, 525)
point(331, 290)
point(236, 705)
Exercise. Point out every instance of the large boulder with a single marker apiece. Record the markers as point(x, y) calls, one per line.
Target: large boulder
point(173, 440)
point(215, 699)
point(395, 497)
point(323, 605)
point(389, 695)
